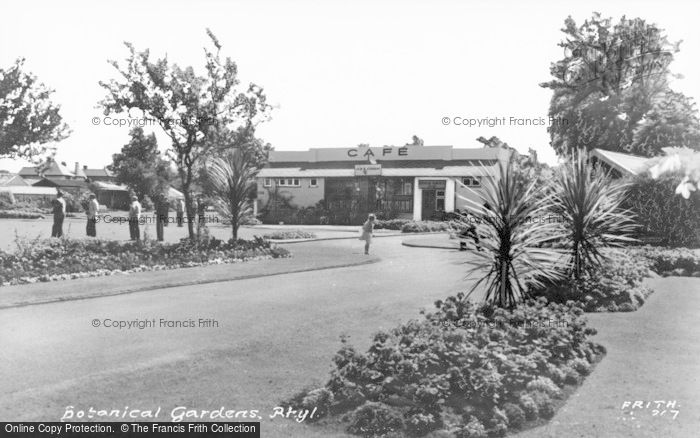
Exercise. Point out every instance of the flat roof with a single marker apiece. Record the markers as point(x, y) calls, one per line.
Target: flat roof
point(388, 153)
point(446, 171)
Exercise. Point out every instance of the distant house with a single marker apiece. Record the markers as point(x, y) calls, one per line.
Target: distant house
point(101, 175)
point(73, 186)
point(620, 164)
point(112, 196)
point(12, 179)
point(40, 196)
point(51, 169)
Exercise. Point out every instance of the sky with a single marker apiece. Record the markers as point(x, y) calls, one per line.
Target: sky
point(338, 73)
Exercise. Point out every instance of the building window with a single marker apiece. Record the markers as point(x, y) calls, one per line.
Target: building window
point(267, 182)
point(472, 181)
point(288, 182)
point(313, 182)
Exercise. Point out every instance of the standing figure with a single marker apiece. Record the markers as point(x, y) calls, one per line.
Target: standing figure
point(59, 213)
point(162, 208)
point(134, 218)
point(367, 229)
point(92, 209)
point(180, 211)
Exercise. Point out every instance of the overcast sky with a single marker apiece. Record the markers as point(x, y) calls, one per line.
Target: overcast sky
point(338, 73)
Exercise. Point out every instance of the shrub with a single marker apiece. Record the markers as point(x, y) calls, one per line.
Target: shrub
point(461, 358)
point(57, 259)
point(372, 419)
point(321, 399)
point(545, 406)
point(14, 214)
point(529, 406)
point(512, 257)
point(572, 376)
point(668, 259)
point(581, 366)
point(391, 224)
point(515, 414)
point(545, 385)
point(675, 221)
point(291, 234)
point(473, 429)
point(424, 227)
point(590, 204)
point(614, 286)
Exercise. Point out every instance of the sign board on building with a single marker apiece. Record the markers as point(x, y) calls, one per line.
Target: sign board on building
point(368, 169)
point(432, 184)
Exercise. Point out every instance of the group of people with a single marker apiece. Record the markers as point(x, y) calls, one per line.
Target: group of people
point(162, 210)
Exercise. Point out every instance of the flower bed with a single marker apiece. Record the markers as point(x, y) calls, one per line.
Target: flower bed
point(616, 286)
point(682, 262)
point(462, 371)
point(19, 214)
point(291, 234)
point(58, 259)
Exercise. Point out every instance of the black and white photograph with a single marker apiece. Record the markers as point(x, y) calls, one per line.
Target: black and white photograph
point(338, 219)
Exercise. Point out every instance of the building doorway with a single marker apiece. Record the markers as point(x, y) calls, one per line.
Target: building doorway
point(428, 208)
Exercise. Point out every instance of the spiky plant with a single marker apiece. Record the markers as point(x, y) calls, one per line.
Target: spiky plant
point(512, 235)
point(589, 203)
point(230, 178)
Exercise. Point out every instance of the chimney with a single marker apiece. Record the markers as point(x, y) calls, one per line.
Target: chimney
point(77, 168)
point(84, 167)
point(63, 163)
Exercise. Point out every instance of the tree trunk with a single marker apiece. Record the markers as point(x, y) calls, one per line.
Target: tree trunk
point(234, 220)
point(186, 179)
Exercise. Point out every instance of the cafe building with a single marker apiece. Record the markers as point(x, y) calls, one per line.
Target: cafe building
point(412, 182)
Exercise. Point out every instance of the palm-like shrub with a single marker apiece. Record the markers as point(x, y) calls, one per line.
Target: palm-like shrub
point(512, 237)
point(230, 177)
point(589, 203)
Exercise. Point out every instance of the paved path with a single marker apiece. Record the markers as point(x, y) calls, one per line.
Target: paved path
point(652, 354)
point(278, 334)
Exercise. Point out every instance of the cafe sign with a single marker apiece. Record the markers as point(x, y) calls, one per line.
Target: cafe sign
point(432, 184)
point(368, 169)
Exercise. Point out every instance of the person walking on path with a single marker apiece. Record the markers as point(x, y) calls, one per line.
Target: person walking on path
point(367, 229)
point(180, 211)
point(59, 214)
point(162, 209)
point(91, 211)
point(134, 218)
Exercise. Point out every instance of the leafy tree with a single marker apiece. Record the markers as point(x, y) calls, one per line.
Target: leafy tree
point(141, 167)
point(187, 106)
point(29, 121)
point(513, 260)
point(590, 205)
point(672, 121)
point(612, 79)
point(230, 174)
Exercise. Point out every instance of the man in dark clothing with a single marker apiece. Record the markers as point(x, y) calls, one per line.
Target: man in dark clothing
point(162, 208)
point(59, 214)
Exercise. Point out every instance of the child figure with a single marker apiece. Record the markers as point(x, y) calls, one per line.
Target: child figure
point(367, 229)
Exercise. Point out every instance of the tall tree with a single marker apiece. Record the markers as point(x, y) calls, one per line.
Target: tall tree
point(229, 174)
point(29, 121)
point(140, 165)
point(611, 79)
point(185, 105)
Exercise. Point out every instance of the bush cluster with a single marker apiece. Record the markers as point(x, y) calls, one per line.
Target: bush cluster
point(673, 220)
point(56, 259)
point(463, 370)
point(290, 234)
point(19, 214)
point(615, 286)
point(682, 262)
